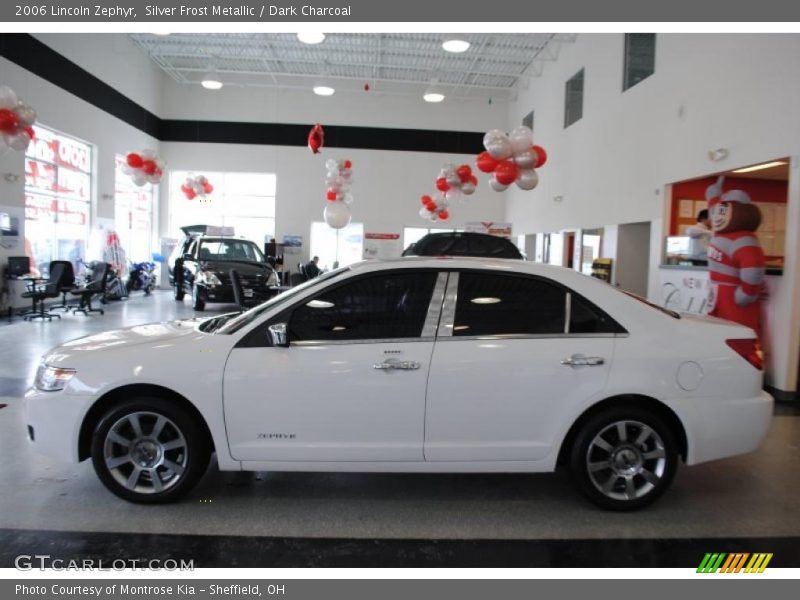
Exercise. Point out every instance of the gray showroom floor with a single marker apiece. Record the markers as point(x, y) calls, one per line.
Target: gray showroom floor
point(754, 495)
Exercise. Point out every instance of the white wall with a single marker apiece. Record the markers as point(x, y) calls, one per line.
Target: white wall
point(387, 185)
point(740, 92)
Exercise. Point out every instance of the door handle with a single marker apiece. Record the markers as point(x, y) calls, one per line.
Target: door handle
point(404, 365)
point(578, 360)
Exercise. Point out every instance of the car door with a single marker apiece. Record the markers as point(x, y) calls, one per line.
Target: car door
point(515, 356)
point(350, 386)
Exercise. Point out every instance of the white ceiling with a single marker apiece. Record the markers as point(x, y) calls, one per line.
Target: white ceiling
point(494, 66)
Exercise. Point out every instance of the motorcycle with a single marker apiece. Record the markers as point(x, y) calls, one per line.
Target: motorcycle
point(142, 277)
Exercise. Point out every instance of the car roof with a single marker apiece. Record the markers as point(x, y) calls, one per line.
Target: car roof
point(458, 262)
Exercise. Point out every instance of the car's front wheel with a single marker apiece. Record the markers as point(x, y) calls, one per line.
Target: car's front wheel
point(624, 458)
point(148, 451)
point(198, 302)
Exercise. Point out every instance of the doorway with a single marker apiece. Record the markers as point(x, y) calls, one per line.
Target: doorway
point(633, 257)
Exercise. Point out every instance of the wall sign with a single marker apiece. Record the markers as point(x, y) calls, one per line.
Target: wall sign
point(490, 227)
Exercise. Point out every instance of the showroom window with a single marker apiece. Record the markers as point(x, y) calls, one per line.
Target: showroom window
point(337, 247)
point(244, 201)
point(58, 193)
point(573, 99)
point(640, 58)
point(133, 214)
point(500, 304)
point(377, 307)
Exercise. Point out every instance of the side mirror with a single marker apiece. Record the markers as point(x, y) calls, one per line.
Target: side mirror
point(278, 335)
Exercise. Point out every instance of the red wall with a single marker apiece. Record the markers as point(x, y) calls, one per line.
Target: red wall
point(759, 190)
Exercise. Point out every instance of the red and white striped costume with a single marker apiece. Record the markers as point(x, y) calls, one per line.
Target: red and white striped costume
point(735, 263)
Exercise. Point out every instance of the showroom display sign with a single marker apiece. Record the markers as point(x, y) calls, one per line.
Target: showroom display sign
point(490, 227)
point(382, 245)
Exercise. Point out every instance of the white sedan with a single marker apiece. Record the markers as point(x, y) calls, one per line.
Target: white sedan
point(414, 365)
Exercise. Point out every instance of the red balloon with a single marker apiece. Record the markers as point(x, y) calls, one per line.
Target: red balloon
point(31, 133)
point(426, 199)
point(149, 166)
point(541, 154)
point(134, 160)
point(8, 121)
point(331, 195)
point(506, 172)
point(442, 185)
point(486, 162)
point(443, 215)
point(190, 194)
point(208, 188)
point(431, 206)
point(348, 164)
point(473, 180)
point(464, 173)
point(316, 138)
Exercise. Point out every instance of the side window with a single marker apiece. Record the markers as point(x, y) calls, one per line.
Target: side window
point(584, 317)
point(491, 304)
point(386, 306)
point(191, 248)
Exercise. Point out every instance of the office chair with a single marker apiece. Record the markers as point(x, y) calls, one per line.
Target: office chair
point(68, 283)
point(96, 286)
point(51, 289)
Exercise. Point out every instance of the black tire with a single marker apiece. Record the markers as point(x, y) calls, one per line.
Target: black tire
point(626, 474)
point(198, 303)
point(181, 444)
point(129, 285)
point(177, 289)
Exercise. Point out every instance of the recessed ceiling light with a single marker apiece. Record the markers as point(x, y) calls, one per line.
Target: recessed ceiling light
point(311, 37)
point(455, 45)
point(485, 300)
point(433, 96)
point(211, 82)
point(323, 89)
point(769, 165)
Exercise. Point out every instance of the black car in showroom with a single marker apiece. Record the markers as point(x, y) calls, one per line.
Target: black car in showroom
point(201, 265)
point(461, 243)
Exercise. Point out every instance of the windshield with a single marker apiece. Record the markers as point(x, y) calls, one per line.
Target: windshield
point(235, 324)
point(230, 250)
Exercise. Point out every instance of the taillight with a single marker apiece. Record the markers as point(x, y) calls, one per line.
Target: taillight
point(750, 350)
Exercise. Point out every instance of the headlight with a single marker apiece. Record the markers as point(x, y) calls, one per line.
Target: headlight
point(272, 279)
point(208, 278)
point(52, 379)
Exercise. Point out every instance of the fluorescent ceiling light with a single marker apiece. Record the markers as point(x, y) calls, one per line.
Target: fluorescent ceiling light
point(455, 45)
point(311, 37)
point(160, 32)
point(769, 165)
point(485, 300)
point(211, 80)
point(323, 89)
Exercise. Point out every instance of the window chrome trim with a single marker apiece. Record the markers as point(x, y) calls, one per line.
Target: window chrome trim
point(567, 311)
point(530, 336)
point(448, 317)
point(435, 307)
point(370, 341)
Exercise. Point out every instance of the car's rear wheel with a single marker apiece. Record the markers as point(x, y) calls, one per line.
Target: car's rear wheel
point(624, 458)
point(147, 451)
point(198, 302)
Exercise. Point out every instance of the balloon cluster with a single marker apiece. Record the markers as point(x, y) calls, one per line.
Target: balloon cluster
point(197, 187)
point(338, 181)
point(432, 210)
point(16, 120)
point(144, 167)
point(454, 181)
point(512, 158)
point(316, 138)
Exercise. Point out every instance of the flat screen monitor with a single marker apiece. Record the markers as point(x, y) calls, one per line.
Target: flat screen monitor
point(18, 266)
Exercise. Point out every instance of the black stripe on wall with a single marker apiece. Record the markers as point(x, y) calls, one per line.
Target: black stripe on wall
point(41, 60)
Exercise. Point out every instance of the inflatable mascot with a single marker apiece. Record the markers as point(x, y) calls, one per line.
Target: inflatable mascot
point(735, 258)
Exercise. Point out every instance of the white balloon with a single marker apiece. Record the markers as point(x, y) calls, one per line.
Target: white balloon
point(154, 179)
point(148, 154)
point(453, 195)
point(467, 188)
point(347, 198)
point(496, 185)
point(337, 214)
point(500, 148)
point(8, 99)
point(521, 139)
point(527, 179)
point(18, 141)
point(526, 159)
point(331, 164)
point(126, 168)
point(492, 135)
point(25, 114)
point(424, 212)
point(160, 164)
point(139, 178)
